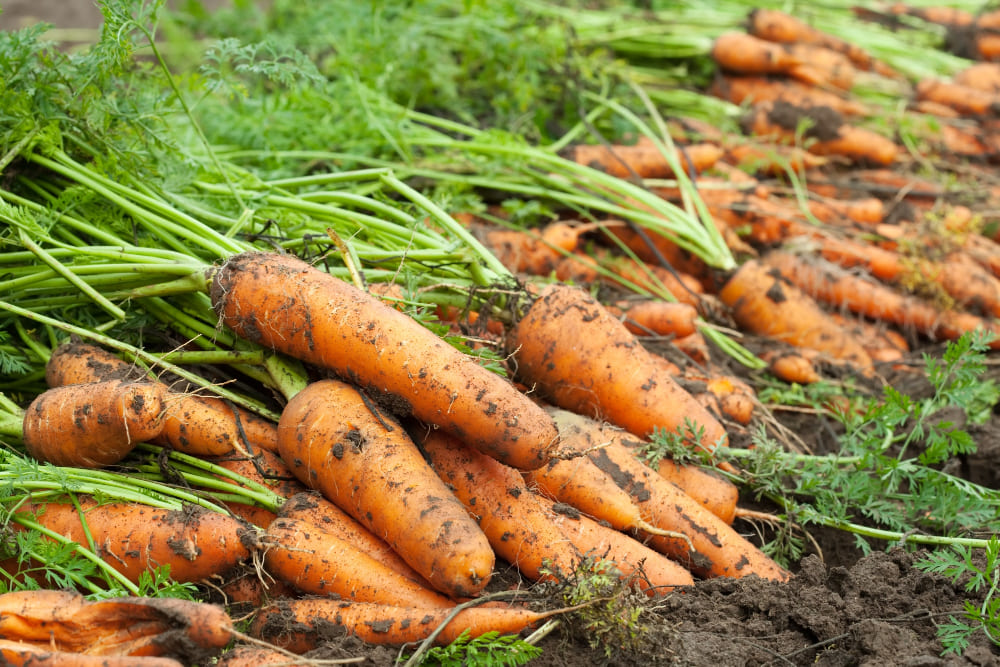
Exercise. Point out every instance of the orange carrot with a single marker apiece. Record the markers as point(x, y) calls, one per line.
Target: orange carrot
point(259, 656)
point(650, 570)
point(320, 563)
point(869, 211)
point(763, 303)
point(265, 468)
point(793, 367)
point(649, 317)
point(193, 424)
point(95, 424)
point(963, 99)
point(245, 588)
point(838, 287)
point(759, 89)
point(320, 512)
point(944, 16)
point(651, 247)
point(881, 343)
point(644, 159)
point(339, 443)
point(531, 252)
point(302, 625)
point(581, 358)
point(330, 323)
point(133, 538)
point(498, 499)
point(712, 547)
point(745, 54)
point(772, 159)
point(825, 66)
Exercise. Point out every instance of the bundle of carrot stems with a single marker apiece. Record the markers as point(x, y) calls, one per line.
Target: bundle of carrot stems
point(329, 395)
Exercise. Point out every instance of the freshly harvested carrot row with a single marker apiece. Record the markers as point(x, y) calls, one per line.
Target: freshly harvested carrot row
point(964, 99)
point(94, 424)
point(604, 370)
point(650, 317)
point(755, 90)
point(302, 625)
point(320, 512)
point(644, 159)
point(826, 128)
point(765, 304)
point(134, 538)
point(281, 302)
point(318, 562)
point(341, 444)
point(712, 548)
point(838, 287)
point(193, 424)
point(649, 569)
point(499, 500)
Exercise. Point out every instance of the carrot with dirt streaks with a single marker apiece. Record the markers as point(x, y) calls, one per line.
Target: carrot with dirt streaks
point(281, 302)
point(707, 545)
point(499, 500)
point(134, 538)
point(582, 358)
point(94, 424)
point(320, 563)
point(338, 442)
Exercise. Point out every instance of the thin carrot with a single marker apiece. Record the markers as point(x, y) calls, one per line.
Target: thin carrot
point(869, 211)
point(644, 159)
point(524, 251)
point(582, 358)
point(341, 444)
point(22, 654)
point(246, 588)
point(765, 304)
point(882, 343)
point(964, 99)
point(711, 548)
point(650, 317)
point(318, 562)
point(648, 569)
point(259, 656)
point(772, 159)
point(944, 16)
point(302, 625)
point(750, 89)
point(134, 538)
point(282, 302)
point(95, 424)
point(503, 506)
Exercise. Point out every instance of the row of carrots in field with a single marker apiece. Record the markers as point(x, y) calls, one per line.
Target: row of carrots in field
point(385, 520)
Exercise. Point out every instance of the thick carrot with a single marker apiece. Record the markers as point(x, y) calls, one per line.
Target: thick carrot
point(499, 500)
point(755, 90)
point(964, 99)
point(320, 563)
point(133, 538)
point(644, 159)
point(282, 302)
point(193, 424)
point(302, 625)
point(583, 359)
point(652, 317)
point(763, 303)
point(339, 443)
point(711, 548)
point(742, 53)
point(648, 569)
point(320, 512)
point(95, 424)
point(840, 288)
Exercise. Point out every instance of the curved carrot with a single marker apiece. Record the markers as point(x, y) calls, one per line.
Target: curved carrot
point(337, 442)
point(709, 545)
point(133, 538)
point(320, 563)
point(282, 302)
point(95, 424)
point(497, 497)
point(583, 359)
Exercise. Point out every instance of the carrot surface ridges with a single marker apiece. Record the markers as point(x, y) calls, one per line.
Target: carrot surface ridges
point(281, 302)
point(339, 443)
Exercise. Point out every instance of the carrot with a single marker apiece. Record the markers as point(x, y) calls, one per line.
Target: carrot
point(944, 16)
point(651, 247)
point(258, 656)
point(881, 343)
point(193, 424)
point(838, 287)
point(748, 89)
point(650, 317)
point(648, 569)
point(772, 159)
point(503, 506)
point(745, 54)
point(869, 211)
point(265, 468)
point(124, 626)
point(963, 99)
point(337, 442)
point(644, 159)
point(826, 129)
point(315, 509)
point(320, 563)
point(529, 251)
point(328, 322)
point(21, 654)
point(712, 547)
point(302, 625)
point(95, 424)
point(827, 68)
point(244, 589)
point(763, 303)
point(583, 359)
point(133, 538)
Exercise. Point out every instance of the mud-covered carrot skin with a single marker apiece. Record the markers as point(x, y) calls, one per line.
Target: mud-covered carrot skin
point(284, 303)
point(339, 443)
point(94, 424)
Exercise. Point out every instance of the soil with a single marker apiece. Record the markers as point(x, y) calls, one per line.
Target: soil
point(841, 608)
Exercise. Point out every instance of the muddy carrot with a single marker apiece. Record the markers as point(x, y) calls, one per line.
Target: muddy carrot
point(530, 251)
point(964, 99)
point(750, 89)
point(284, 303)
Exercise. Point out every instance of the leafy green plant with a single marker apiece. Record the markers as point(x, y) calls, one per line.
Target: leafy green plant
point(487, 650)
